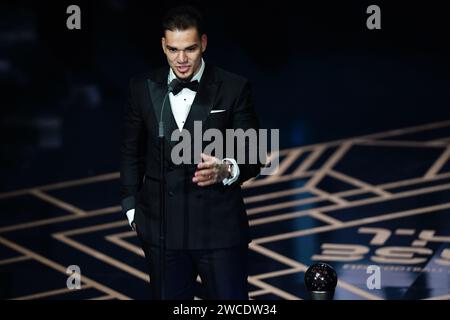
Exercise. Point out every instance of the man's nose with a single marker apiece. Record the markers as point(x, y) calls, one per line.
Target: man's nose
point(182, 57)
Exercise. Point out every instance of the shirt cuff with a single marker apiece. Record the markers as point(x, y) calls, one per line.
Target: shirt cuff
point(234, 173)
point(130, 216)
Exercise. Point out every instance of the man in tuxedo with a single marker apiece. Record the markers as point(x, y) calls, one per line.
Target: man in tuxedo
point(207, 232)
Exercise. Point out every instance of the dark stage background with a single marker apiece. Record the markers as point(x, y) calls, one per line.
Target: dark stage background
point(318, 73)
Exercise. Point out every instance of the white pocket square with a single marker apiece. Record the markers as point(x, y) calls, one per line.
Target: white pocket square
point(218, 110)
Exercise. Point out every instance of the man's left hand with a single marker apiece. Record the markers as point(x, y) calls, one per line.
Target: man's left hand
point(210, 171)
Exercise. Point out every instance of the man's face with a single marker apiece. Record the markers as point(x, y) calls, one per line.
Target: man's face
point(184, 49)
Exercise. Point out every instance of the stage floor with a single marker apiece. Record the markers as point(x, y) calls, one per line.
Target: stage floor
point(381, 199)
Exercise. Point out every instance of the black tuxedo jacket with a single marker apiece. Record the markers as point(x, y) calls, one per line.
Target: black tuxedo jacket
point(196, 217)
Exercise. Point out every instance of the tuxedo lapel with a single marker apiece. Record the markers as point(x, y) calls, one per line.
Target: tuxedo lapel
point(157, 89)
point(204, 99)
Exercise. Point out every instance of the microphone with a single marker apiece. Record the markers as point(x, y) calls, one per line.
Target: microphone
point(170, 88)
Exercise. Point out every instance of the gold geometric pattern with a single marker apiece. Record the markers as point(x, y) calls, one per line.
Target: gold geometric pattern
point(271, 201)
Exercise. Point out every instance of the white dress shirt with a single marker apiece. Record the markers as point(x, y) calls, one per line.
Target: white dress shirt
point(181, 105)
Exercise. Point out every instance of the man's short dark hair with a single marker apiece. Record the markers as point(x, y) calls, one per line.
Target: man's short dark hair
point(182, 18)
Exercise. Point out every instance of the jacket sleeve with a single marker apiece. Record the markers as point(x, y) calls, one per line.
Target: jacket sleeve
point(132, 152)
point(244, 117)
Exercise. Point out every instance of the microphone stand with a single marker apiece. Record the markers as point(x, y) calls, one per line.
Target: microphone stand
point(162, 207)
point(162, 194)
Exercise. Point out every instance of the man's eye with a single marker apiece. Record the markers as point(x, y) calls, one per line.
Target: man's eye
point(191, 49)
point(172, 50)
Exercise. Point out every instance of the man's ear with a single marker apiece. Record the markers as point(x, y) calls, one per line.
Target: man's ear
point(163, 44)
point(204, 42)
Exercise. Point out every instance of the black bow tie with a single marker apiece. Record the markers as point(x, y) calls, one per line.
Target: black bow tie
point(180, 85)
